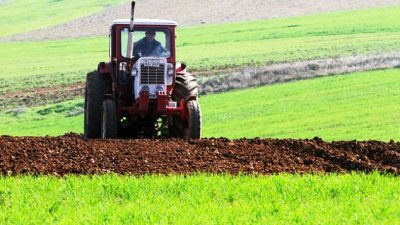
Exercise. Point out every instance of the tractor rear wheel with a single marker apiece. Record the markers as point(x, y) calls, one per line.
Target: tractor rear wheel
point(193, 129)
point(109, 124)
point(97, 85)
point(185, 87)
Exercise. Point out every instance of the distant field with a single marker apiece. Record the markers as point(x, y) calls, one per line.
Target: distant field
point(297, 38)
point(45, 64)
point(216, 46)
point(18, 16)
point(206, 12)
point(360, 106)
point(201, 199)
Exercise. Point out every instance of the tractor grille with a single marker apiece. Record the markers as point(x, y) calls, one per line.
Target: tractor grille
point(152, 75)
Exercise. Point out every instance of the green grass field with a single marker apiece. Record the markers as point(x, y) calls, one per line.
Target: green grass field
point(359, 106)
point(214, 46)
point(49, 63)
point(289, 39)
point(18, 16)
point(201, 199)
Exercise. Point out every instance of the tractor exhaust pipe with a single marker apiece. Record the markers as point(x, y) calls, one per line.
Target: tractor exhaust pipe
point(131, 36)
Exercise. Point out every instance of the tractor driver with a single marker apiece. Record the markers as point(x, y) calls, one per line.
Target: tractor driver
point(149, 46)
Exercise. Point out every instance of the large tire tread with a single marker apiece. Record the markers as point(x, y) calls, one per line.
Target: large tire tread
point(109, 128)
point(186, 86)
point(97, 85)
point(194, 124)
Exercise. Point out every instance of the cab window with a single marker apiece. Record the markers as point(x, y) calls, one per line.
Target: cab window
point(148, 42)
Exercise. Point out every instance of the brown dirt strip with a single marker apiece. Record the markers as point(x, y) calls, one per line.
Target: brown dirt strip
point(71, 154)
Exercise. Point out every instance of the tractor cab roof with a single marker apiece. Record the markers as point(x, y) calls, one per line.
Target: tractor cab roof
point(151, 22)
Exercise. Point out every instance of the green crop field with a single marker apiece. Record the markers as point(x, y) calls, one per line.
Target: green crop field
point(49, 63)
point(214, 46)
point(18, 16)
point(290, 39)
point(201, 199)
point(358, 106)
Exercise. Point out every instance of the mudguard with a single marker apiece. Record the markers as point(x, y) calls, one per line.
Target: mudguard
point(105, 68)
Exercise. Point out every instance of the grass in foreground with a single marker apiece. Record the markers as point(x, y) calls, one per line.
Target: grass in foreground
point(201, 199)
point(18, 16)
point(214, 46)
point(359, 106)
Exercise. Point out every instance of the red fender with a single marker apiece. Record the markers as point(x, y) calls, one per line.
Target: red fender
point(180, 68)
point(105, 68)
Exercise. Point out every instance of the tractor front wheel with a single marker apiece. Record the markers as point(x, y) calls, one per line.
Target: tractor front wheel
point(109, 125)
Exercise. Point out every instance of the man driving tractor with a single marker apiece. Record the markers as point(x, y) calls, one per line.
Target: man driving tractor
point(149, 46)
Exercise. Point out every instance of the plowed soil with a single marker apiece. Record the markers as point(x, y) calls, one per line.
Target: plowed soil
point(71, 154)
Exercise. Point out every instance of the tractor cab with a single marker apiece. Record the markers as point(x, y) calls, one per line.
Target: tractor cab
point(158, 34)
point(153, 54)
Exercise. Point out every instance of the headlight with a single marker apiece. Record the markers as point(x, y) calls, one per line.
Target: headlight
point(134, 72)
point(159, 88)
point(170, 80)
point(170, 74)
point(170, 70)
point(145, 88)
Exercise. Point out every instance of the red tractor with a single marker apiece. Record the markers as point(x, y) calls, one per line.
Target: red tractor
point(142, 91)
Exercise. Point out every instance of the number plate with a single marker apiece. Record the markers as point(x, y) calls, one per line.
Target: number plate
point(151, 63)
